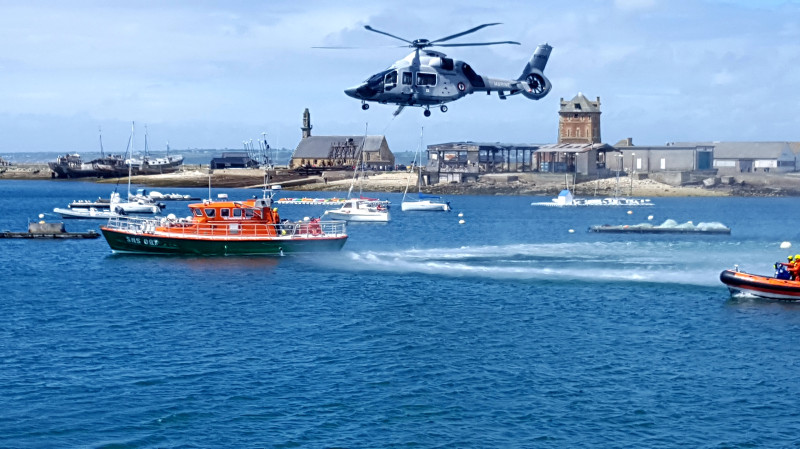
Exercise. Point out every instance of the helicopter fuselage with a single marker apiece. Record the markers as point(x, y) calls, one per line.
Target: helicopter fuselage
point(426, 78)
point(434, 80)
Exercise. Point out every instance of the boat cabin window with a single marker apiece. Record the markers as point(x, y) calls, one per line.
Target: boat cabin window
point(248, 213)
point(237, 213)
point(407, 78)
point(390, 80)
point(426, 79)
point(197, 212)
point(211, 213)
point(224, 213)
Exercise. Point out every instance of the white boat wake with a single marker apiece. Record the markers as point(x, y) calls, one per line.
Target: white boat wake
point(658, 262)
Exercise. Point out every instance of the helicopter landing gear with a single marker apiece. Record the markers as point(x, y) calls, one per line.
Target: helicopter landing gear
point(443, 108)
point(364, 105)
point(426, 112)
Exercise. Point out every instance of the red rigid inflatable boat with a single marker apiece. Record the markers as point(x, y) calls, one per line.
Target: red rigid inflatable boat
point(762, 286)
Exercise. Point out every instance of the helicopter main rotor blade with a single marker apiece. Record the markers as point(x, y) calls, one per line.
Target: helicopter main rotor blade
point(360, 48)
point(477, 43)
point(472, 30)
point(387, 34)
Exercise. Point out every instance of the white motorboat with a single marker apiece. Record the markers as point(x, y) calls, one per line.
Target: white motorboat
point(359, 210)
point(144, 195)
point(85, 212)
point(565, 199)
point(425, 203)
point(133, 207)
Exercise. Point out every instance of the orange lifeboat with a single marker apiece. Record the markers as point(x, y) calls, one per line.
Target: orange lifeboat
point(762, 286)
point(224, 228)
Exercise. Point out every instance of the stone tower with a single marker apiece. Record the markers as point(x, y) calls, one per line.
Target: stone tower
point(579, 120)
point(306, 124)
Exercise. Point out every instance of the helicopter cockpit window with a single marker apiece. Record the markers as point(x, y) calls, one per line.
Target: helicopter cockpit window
point(447, 64)
point(407, 78)
point(426, 79)
point(390, 80)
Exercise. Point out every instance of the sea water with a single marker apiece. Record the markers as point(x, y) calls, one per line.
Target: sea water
point(505, 331)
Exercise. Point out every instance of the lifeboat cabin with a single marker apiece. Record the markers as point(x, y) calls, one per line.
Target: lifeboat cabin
point(252, 217)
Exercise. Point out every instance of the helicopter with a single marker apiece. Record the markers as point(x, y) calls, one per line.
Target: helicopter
point(428, 78)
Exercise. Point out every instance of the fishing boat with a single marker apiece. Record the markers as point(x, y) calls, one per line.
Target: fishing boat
point(224, 227)
point(72, 166)
point(149, 165)
point(739, 282)
point(423, 202)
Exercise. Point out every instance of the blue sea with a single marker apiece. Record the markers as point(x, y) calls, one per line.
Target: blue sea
point(504, 331)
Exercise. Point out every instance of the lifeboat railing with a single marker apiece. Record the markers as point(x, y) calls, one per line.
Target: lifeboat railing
point(232, 228)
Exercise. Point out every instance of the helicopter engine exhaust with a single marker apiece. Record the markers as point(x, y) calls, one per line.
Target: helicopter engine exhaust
point(536, 85)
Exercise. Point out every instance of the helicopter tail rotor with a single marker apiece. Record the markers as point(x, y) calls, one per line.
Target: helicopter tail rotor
point(535, 84)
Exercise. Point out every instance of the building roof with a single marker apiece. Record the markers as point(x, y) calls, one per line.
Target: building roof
point(574, 147)
point(319, 147)
point(479, 145)
point(743, 150)
point(580, 104)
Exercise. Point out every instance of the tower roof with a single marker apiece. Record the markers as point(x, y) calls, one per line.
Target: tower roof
point(580, 104)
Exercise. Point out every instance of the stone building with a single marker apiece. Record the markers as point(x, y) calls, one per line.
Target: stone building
point(340, 152)
point(579, 120)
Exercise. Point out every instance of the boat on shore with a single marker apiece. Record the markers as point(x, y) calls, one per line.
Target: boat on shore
point(739, 282)
point(223, 228)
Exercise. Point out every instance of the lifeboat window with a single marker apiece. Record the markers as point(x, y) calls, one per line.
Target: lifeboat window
point(248, 213)
point(407, 78)
point(197, 212)
point(224, 213)
point(426, 79)
point(211, 213)
point(237, 213)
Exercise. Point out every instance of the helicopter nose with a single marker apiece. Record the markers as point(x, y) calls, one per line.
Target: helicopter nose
point(353, 92)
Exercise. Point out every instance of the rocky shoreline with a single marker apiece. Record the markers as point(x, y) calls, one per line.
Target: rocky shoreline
point(754, 185)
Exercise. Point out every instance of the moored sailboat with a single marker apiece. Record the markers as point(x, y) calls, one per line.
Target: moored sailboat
point(423, 202)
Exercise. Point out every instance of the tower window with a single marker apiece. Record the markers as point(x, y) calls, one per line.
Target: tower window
point(577, 106)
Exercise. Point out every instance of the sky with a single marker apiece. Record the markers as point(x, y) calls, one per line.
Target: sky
point(212, 74)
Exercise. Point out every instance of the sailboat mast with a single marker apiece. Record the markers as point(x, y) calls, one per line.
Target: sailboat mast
point(100, 133)
point(130, 159)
